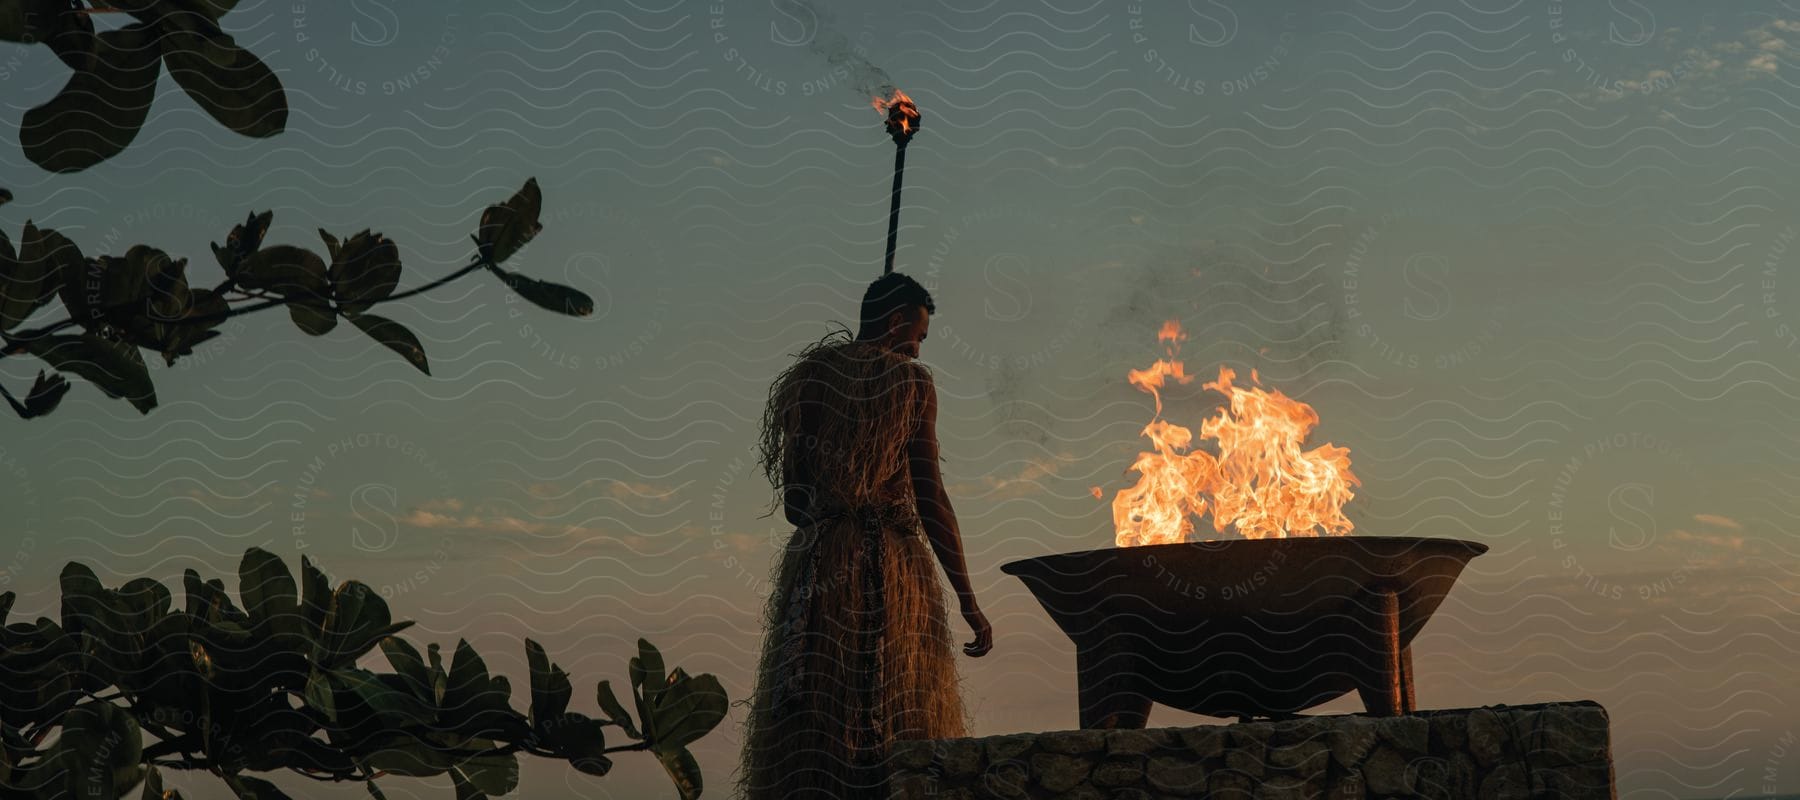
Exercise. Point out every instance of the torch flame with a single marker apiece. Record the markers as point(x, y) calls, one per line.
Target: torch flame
point(1260, 483)
point(902, 113)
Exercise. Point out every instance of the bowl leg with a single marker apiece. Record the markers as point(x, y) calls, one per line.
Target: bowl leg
point(1108, 691)
point(1386, 683)
point(1409, 704)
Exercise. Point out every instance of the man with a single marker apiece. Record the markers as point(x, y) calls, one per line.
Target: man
point(857, 651)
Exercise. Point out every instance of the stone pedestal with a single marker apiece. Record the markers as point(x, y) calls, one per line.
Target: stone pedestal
point(1557, 750)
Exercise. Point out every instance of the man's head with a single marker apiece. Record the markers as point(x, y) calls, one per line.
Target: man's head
point(896, 311)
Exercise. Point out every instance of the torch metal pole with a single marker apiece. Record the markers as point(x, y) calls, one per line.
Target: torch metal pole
point(894, 208)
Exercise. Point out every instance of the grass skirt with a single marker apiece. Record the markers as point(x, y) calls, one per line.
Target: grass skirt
point(857, 653)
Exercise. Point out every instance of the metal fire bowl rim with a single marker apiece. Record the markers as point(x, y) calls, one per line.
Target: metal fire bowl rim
point(1382, 544)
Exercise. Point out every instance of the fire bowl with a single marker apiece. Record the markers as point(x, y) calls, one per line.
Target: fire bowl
point(1244, 628)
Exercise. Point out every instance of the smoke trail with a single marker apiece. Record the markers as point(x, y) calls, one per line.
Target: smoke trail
point(866, 79)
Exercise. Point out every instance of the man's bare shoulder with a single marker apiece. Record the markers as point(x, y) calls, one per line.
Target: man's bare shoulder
point(918, 371)
point(918, 376)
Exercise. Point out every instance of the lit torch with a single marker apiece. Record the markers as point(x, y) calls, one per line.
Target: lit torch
point(902, 122)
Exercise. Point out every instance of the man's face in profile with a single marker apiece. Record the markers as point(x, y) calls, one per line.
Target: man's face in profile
point(906, 329)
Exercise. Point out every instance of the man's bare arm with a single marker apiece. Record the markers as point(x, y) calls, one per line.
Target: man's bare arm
point(939, 521)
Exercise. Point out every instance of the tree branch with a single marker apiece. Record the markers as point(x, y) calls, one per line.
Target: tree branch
point(18, 343)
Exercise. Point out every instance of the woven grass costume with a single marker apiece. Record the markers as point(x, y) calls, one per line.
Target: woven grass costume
point(857, 647)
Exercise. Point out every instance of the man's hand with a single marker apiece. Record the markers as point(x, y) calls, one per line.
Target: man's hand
point(984, 633)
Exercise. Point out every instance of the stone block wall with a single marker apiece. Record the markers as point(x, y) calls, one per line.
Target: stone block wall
point(1558, 750)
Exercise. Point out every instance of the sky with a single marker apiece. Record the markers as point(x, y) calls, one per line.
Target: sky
point(1534, 264)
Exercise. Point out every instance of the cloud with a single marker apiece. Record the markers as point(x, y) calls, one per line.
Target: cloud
point(539, 520)
point(1719, 544)
point(640, 491)
point(1711, 541)
point(445, 503)
point(234, 495)
point(1706, 70)
point(430, 516)
point(547, 499)
point(1766, 42)
point(1030, 479)
point(1030, 476)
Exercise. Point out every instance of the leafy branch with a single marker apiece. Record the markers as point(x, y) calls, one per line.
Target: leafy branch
point(253, 686)
point(107, 99)
point(143, 299)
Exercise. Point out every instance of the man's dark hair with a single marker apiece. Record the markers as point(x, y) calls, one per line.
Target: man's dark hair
point(890, 293)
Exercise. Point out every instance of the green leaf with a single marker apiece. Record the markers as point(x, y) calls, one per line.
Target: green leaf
point(400, 708)
point(490, 774)
point(108, 743)
point(683, 770)
point(249, 788)
point(364, 270)
point(81, 593)
point(688, 710)
point(312, 317)
point(160, 280)
point(147, 601)
point(226, 81)
point(356, 621)
point(320, 695)
point(196, 593)
point(315, 597)
point(243, 241)
point(46, 394)
point(465, 789)
point(581, 740)
point(406, 661)
point(332, 247)
point(203, 664)
point(45, 251)
point(208, 310)
point(27, 283)
point(102, 107)
point(179, 337)
point(438, 677)
point(550, 689)
point(614, 710)
point(285, 270)
point(13, 24)
point(153, 785)
point(396, 337)
point(476, 703)
point(114, 366)
point(66, 29)
point(146, 295)
point(468, 678)
point(416, 756)
point(265, 586)
point(105, 291)
point(223, 609)
point(647, 669)
point(506, 227)
point(544, 294)
point(126, 777)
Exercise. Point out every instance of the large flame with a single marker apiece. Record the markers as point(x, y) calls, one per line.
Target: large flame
point(902, 113)
point(1260, 483)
